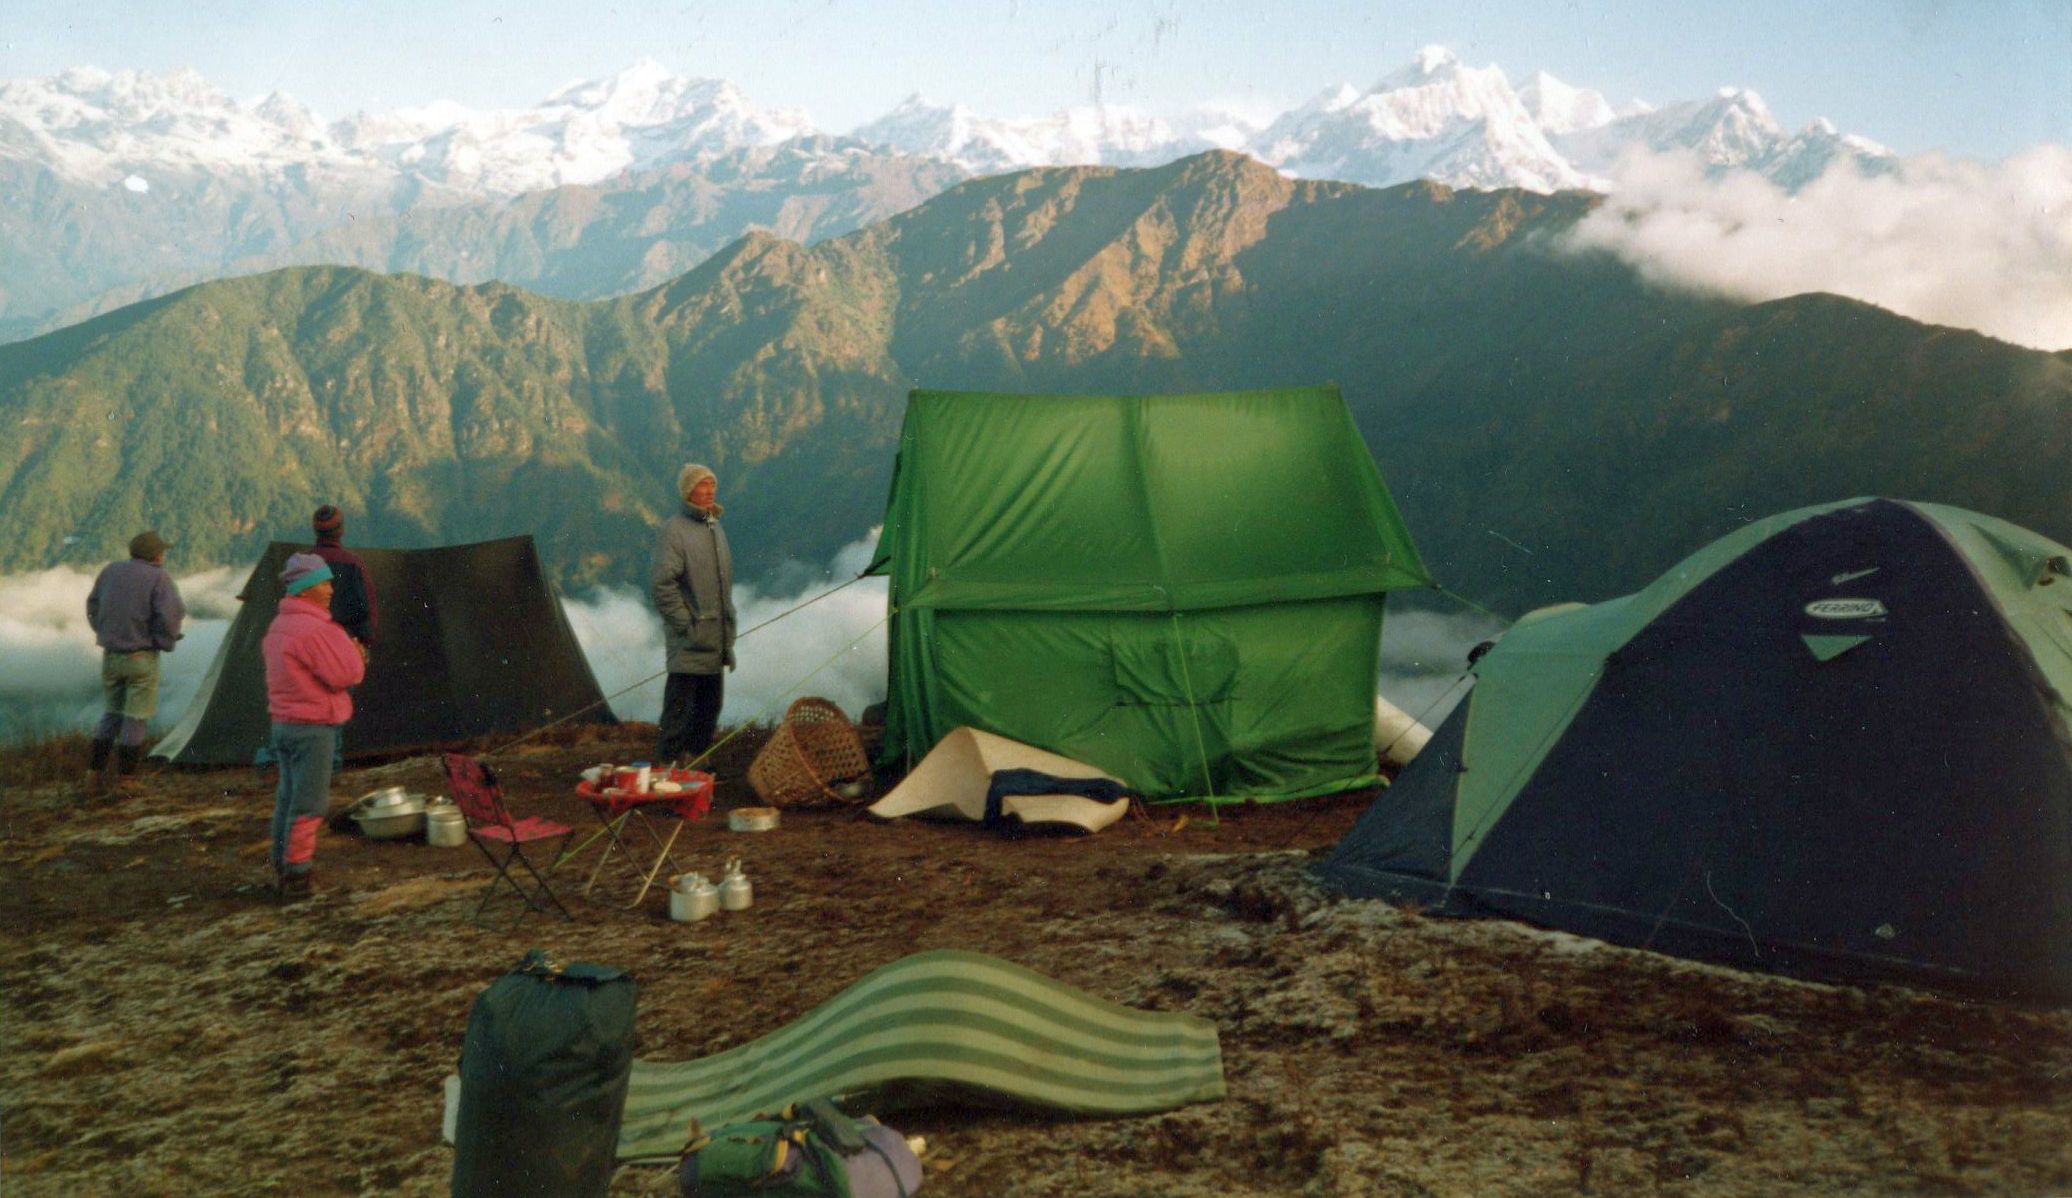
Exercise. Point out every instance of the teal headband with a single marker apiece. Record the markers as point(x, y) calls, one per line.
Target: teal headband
point(306, 581)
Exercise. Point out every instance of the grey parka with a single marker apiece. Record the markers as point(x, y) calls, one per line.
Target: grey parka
point(692, 585)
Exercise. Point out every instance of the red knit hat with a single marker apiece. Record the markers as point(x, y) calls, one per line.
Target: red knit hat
point(328, 519)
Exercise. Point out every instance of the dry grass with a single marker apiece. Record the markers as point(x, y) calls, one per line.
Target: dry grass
point(52, 757)
point(163, 1020)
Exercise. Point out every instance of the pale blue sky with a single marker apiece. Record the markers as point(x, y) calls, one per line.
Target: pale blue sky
point(1978, 78)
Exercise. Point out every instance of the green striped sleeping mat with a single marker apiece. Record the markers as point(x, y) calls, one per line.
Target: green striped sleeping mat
point(943, 1019)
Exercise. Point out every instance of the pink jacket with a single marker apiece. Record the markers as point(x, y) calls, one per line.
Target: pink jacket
point(310, 662)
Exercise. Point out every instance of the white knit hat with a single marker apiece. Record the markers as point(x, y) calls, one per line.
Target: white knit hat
point(690, 476)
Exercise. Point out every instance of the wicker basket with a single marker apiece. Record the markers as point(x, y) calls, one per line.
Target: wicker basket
point(813, 749)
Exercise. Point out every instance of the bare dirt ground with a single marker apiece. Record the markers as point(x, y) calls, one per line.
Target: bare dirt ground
point(166, 1028)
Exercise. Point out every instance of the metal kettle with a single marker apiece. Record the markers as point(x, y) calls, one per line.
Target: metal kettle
point(692, 898)
point(735, 890)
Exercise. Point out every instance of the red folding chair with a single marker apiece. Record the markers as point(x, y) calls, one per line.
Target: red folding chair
point(481, 800)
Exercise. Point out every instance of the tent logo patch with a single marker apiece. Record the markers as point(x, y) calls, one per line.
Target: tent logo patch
point(1845, 609)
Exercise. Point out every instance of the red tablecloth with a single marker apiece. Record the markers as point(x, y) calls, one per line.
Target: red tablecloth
point(693, 801)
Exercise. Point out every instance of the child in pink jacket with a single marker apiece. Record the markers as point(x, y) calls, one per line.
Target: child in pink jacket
point(310, 665)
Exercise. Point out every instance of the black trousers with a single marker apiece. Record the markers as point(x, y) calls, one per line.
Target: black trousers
point(690, 712)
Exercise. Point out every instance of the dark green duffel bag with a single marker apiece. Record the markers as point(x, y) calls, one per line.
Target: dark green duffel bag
point(811, 1150)
point(543, 1075)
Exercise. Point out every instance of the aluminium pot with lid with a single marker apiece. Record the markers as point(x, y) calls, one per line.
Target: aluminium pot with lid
point(444, 826)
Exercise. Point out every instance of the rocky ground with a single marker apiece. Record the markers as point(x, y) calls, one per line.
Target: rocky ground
point(166, 1028)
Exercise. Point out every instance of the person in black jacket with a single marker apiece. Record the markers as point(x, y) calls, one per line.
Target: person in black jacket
point(352, 598)
point(353, 603)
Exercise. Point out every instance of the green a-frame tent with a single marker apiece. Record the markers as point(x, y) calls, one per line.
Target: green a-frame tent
point(1184, 590)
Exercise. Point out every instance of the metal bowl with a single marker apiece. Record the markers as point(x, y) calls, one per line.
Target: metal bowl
point(390, 816)
point(376, 800)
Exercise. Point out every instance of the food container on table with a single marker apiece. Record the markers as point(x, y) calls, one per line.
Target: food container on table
point(752, 819)
point(735, 890)
point(692, 898)
point(600, 775)
point(643, 776)
point(389, 814)
point(627, 779)
point(444, 826)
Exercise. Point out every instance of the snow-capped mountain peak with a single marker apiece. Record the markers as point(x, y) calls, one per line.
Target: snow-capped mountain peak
point(1730, 130)
point(1332, 99)
point(88, 99)
point(290, 114)
point(1428, 62)
point(1559, 108)
point(1098, 133)
point(646, 94)
point(99, 126)
point(918, 126)
point(1434, 117)
point(640, 83)
point(191, 181)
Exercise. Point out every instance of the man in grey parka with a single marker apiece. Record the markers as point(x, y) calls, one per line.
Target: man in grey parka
point(693, 588)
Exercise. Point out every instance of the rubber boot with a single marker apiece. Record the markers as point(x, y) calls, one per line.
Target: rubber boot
point(121, 774)
point(98, 775)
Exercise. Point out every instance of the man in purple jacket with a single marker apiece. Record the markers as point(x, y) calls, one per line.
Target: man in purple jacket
point(135, 611)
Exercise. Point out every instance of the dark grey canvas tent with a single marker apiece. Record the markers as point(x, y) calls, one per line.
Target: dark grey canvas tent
point(1837, 742)
point(473, 642)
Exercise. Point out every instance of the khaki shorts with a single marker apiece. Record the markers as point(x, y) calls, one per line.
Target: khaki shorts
point(129, 684)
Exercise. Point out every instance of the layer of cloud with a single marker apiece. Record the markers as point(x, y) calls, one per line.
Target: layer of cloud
point(51, 678)
point(1424, 659)
point(834, 649)
point(1968, 244)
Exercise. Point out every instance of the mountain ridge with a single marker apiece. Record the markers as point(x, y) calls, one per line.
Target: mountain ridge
point(1514, 392)
point(151, 183)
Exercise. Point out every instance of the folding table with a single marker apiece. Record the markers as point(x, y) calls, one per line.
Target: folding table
point(619, 811)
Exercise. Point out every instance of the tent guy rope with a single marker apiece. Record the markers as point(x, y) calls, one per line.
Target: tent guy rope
point(627, 690)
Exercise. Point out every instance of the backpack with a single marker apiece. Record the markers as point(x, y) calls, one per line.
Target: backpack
point(809, 1150)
